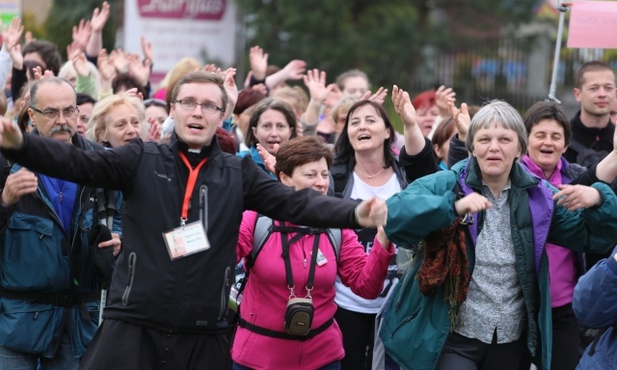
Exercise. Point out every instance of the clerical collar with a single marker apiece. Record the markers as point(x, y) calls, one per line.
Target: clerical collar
point(193, 155)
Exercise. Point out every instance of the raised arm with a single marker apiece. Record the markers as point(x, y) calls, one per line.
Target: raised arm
point(97, 23)
point(414, 140)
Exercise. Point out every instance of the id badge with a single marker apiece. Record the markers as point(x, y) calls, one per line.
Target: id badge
point(321, 258)
point(187, 240)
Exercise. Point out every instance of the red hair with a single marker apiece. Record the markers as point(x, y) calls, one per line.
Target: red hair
point(424, 99)
point(226, 141)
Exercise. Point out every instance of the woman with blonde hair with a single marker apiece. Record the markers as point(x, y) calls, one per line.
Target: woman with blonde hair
point(182, 67)
point(116, 120)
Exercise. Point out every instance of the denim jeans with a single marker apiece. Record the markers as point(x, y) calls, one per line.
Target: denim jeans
point(62, 360)
point(336, 365)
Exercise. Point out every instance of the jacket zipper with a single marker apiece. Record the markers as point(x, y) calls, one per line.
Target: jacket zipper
point(132, 262)
point(405, 321)
point(224, 293)
point(203, 206)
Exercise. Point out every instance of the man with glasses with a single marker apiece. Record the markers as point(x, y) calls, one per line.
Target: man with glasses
point(166, 309)
point(49, 295)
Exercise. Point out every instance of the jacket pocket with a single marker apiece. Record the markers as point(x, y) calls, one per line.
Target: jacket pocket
point(85, 328)
point(32, 256)
point(132, 263)
point(27, 327)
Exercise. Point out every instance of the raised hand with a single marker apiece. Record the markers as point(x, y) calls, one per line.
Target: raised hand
point(212, 68)
point(80, 63)
point(315, 82)
point(268, 159)
point(38, 74)
point(443, 97)
point(120, 60)
point(81, 34)
point(259, 62)
point(17, 185)
point(146, 49)
point(471, 203)
point(12, 33)
point(10, 38)
point(106, 66)
point(100, 17)
point(403, 107)
point(575, 197)
point(154, 131)
point(231, 89)
point(139, 70)
point(134, 93)
point(28, 38)
point(11, 138)
point(461, 118)
point(378, 97)
point(294, 70)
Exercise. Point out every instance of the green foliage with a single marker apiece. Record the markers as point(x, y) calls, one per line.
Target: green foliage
point(386, 39)
point(64, 14)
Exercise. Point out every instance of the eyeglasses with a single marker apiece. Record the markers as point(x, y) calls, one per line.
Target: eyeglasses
point(189, 105)
point(70, 112)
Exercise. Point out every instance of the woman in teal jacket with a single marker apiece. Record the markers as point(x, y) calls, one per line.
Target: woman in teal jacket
point(484, 303)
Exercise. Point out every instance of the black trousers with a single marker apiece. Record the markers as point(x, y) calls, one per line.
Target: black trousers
point(462, 353)
point(358, 335)
point(122, 346)
point(566, 341)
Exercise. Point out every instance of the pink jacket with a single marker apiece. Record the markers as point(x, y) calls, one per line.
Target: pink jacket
point(266, 295)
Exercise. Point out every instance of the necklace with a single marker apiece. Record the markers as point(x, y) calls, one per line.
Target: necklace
point(370, 176)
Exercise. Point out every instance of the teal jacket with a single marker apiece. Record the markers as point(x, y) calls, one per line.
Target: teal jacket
point(427, 205)
point(38, 259)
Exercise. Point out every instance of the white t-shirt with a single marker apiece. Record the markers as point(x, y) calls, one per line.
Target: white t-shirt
point(345, 298)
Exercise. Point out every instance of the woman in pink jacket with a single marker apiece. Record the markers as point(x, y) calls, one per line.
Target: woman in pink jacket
point(262, 340)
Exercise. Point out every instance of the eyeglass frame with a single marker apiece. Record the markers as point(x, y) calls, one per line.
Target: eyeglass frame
point(201, 105)
point(57, 113)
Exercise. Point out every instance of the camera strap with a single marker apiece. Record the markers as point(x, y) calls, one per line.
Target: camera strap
point(286, 243)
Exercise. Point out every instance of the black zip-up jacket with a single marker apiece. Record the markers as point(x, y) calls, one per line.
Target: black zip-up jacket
point(189, 294)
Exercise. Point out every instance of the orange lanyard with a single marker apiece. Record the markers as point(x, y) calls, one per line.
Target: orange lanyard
point(190, 185)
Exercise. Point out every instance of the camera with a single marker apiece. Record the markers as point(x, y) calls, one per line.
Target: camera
point(299, 316)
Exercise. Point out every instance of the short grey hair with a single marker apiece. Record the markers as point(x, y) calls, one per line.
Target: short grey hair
point(500, 112)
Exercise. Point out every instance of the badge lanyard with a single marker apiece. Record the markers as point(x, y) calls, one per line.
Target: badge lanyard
point(190, 185)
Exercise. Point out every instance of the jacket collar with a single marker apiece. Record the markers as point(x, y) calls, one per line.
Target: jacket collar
point(470, 170)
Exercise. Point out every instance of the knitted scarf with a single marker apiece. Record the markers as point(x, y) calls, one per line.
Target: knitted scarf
point(445, 263)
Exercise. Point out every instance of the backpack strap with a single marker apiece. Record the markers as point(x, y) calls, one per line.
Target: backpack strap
point(578, 147)
point(264, 226)
point(335, 236)
point(261, 233)
point(340, 175)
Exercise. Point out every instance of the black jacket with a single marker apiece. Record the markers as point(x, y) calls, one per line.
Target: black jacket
point(189, 294)
point(598, 139)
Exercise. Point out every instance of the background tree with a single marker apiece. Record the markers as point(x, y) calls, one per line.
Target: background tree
point(64, 14)
point(387, 40)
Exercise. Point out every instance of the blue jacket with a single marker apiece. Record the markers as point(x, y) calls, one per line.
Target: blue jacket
point(427, 205)
point(254, 154)
point(595, 306)
point(38, 260)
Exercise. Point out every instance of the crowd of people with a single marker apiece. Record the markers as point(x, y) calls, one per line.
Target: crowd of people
point(462, 242)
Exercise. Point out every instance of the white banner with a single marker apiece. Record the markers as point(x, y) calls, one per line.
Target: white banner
point(181, 28)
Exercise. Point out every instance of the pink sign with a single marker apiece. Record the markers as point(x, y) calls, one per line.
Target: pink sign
point(593, 24)
point(181, 9)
